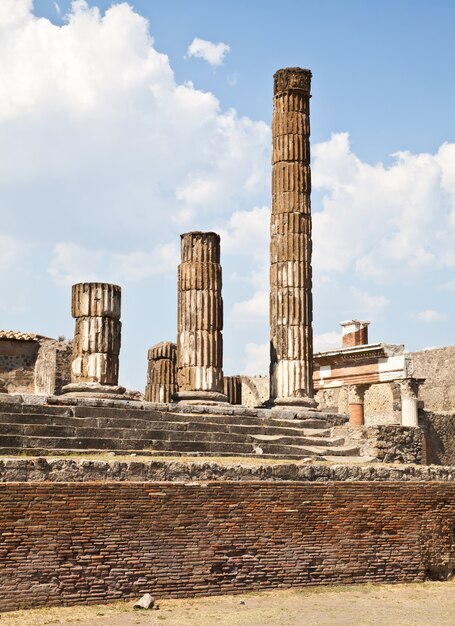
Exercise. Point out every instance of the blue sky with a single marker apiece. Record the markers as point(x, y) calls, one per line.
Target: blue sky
point(110, 150)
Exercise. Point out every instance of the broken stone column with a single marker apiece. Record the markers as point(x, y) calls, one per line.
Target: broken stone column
point(96, 345)
point(356, 401)
point(162, 372)
point(233, 389)
point(291, 305)
point(354, 333)
point(200, 320)
point(410, 400)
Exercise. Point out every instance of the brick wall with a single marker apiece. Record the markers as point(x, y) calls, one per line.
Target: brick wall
point(64, 543)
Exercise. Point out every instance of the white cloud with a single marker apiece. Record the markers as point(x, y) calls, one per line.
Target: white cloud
point(384, 223)
point(364, 305)
point(327, 341)
point(257, 357)
point(72, 263)
point(430, 315)
point(252, 310)
point(92, 122)
point(247, 233)
point(213, 53)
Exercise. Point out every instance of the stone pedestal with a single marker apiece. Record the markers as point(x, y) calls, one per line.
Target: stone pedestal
point(409, 388)
point(96, 345)
point(291, 307)
point(233, 389)
point(200, 320)
point(356, 400)
point(161, 372)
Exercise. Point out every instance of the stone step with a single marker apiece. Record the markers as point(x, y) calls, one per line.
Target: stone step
point(348, 460)
point(111, 418)
point(139, 445)
point(93, 454)
point(333, 452)
point(9, 419)
point(43, 430)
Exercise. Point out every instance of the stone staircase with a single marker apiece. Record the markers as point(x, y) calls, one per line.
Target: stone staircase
point(67, 426)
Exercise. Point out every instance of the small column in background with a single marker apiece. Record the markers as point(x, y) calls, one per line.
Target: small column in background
point(354, 333)
point(161, 372)
point(356, 400)
point(409, 400)
point(233, 389)
point(200, 320)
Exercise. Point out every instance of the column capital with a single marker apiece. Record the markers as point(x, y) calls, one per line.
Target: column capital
point(356, 393)
point(292, 79)
point(410, 387)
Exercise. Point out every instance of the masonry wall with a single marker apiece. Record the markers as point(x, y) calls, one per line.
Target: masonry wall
point(67, 543)
point(255, 390)
point(439, 430)
point(438, 368)
point(17, 365)
point(41, 366)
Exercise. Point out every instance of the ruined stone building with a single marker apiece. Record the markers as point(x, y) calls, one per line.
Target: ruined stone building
point(345, 496)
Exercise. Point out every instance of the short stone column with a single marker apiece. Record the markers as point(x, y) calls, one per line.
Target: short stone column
point(356, 401)
point(409, 388)
point(96, 345)
point(291, 304)
point(161, 372)
point(200, 320)
point(233, 389)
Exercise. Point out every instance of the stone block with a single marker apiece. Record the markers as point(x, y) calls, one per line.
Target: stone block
point(205, 276)
point(97, 334)
point(96, 300)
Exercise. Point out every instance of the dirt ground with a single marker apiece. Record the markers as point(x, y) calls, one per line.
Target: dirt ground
point(363, 605)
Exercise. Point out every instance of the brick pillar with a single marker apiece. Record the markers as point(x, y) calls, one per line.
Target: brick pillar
point(410, 400)
point(233, 389)
point(356, 400)
point(161, 372)
point(200, 320)
point(96, 345)
point(291, 306)
point(354, 333)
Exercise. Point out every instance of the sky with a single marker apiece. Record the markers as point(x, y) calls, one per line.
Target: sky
point(124, 125)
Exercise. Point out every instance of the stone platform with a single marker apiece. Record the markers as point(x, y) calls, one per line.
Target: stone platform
point(64, 425)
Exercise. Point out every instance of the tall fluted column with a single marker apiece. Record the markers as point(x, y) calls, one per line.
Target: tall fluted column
point(161, 372)
point(96, 345)
point(291, 306)
point(200, 320)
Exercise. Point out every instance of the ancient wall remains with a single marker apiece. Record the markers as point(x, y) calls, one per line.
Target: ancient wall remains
point(438, 368)
point(33, 364)
point(69, 543)
point(17, 365)
point(255, 390)
point(439, 429)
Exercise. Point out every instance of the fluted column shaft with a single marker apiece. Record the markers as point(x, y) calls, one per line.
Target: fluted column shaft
point(291, 307)
point(200, 319)
point(96, 346)
point(410, 401)
point(233, 389)
point(161, 372)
